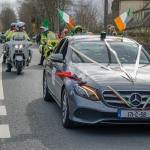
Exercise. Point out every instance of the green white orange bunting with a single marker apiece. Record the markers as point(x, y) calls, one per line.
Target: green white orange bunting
point(65, 18)
point(122, 20)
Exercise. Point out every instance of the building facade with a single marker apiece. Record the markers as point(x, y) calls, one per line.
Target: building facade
point(134, 5)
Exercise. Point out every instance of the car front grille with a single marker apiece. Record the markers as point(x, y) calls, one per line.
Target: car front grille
point(113, 100)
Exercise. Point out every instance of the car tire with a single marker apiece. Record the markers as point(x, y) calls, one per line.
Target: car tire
point(67, 123)
point(46, 95)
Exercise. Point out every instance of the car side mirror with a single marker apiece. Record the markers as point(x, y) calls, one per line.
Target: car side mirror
point(57, 58)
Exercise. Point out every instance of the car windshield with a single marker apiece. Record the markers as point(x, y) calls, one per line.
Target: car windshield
point(97, 51)
point(18, 36)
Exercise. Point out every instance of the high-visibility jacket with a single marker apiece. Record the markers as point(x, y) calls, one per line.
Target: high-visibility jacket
point(51, 36)
point(44, 38)
point(7, 32)
point(9, 37)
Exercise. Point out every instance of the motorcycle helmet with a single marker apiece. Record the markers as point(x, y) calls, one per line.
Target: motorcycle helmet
point(12, 25)
point(78, 29)
point(20, 25)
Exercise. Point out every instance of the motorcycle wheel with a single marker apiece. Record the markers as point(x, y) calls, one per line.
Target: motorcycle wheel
point(19, 66)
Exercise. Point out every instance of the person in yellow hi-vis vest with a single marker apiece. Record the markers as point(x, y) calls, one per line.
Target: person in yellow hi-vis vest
point(43, 41)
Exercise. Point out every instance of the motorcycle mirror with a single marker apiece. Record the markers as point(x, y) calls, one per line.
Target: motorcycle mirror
point(30, 44)
point(50, 49)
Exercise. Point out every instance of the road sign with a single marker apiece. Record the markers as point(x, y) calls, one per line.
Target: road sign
point(33, 25)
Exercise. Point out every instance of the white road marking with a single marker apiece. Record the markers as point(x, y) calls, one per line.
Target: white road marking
point(1, 84)
point(3, 111)
point(4, 131)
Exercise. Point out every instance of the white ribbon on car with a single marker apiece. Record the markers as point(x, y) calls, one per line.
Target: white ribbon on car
point(128, 75)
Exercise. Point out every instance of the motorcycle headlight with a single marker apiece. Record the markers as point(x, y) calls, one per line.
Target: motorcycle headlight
point(16, 46)
point(19, 46)
point(87, 92)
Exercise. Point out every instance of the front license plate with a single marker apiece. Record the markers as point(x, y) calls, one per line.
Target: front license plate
point(133, 114)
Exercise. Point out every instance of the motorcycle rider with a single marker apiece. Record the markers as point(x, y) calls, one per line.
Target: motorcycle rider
point(51, 44)
point(12, 28)
point(49, 48)
point(20, 27)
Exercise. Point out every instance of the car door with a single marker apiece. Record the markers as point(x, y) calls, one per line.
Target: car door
point(60, 67)
point(51, 70)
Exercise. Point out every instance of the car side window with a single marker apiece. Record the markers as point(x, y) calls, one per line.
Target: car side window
point(58, 48)
point(63, 49)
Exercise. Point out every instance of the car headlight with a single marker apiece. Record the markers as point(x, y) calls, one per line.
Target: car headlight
point(87, 92)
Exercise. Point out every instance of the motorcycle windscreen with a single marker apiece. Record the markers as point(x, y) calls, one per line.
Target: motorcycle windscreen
point(19, 36)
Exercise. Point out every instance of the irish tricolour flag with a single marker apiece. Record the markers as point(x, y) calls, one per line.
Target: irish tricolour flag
point(65, 18)
point(122, 20)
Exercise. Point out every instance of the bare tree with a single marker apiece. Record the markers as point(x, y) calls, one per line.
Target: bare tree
point(7, 16)
point(88, 15)
point(35, 11)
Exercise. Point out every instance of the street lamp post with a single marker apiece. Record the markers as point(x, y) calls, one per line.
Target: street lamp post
point(58, 6)
point(105, 15)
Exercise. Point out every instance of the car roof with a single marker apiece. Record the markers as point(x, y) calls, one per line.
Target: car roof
point(97, 38)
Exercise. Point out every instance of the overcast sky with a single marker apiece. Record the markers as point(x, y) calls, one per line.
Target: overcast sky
point(10, 1)
point(14, 2)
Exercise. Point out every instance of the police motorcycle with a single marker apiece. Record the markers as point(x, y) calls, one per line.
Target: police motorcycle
point(49, 48)
point(19, 54)
point(5, 52)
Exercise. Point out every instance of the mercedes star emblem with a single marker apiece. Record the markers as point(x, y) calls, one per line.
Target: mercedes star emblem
point(135, 99)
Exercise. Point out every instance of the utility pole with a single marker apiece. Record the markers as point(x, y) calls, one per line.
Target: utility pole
point(105, 15)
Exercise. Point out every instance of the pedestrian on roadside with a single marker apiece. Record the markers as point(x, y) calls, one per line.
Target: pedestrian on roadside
point(38, 38)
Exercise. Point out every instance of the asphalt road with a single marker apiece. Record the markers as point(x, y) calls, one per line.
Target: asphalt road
point(27, 122)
